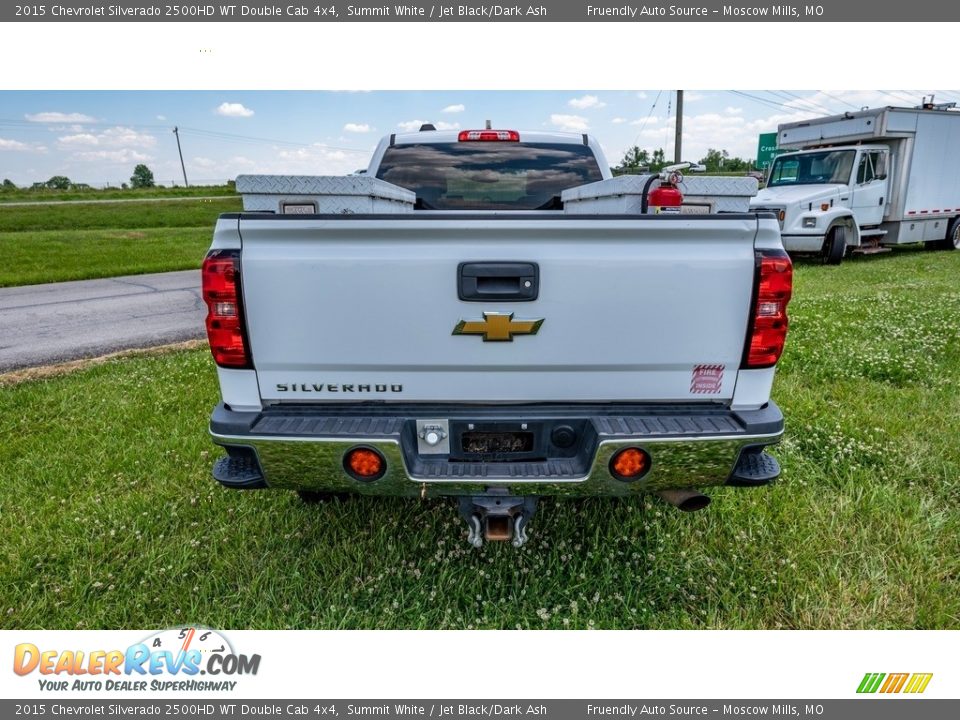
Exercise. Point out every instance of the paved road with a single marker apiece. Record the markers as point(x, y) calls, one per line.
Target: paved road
point(46, 324)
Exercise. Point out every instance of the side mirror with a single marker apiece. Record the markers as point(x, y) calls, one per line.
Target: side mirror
point(880, 177)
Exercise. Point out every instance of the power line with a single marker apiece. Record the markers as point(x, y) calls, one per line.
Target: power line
point(948, 95)
point(834, 97)
point(818, 106)
point(643, 125)
point(268, 141)
point(908, 99)
point(892, 97)
point(765, 101)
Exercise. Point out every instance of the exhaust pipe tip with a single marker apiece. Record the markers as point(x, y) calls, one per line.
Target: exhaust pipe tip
point(685, 500)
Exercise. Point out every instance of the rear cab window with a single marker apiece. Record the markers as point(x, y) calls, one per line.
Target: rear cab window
point(489, 175)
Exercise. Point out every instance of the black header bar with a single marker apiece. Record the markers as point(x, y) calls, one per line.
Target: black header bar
point(332, 11)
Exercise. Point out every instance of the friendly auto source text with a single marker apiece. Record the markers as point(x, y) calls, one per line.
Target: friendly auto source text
point(634, 11)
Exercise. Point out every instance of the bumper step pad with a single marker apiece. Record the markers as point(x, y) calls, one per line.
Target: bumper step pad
point(754, 468)
point(239, 472)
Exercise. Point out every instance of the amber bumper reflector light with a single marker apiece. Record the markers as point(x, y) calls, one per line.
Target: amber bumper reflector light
point(629, 463)
point(364, 464)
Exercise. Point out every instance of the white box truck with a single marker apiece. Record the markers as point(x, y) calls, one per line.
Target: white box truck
point(885, 176)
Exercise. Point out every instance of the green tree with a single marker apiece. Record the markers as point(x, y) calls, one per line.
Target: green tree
point(736, 164)
point(634, 161)
point(142, 177)
point(715, 160)
point(58, 182)
point(8, 184)
point(659, 160)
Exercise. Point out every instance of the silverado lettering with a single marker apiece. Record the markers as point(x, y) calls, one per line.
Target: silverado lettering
point(321, 387)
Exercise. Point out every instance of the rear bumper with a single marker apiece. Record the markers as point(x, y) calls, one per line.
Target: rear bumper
point(803, 243)
point(303, 448)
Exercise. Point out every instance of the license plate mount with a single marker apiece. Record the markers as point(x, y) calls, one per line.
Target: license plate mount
point(496, 442)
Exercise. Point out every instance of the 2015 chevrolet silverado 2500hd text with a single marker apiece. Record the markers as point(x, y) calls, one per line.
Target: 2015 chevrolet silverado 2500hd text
point(485, 315)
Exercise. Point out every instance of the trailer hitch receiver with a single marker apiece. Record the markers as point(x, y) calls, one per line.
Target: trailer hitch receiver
point(497, 517)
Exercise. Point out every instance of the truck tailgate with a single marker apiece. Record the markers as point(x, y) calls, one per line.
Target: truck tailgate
point(343, 309)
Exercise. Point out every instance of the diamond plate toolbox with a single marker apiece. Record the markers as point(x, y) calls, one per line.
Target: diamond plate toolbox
point(319, 194)
point(623, 195)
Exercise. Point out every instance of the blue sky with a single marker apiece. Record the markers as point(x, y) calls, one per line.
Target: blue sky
point(99, 136)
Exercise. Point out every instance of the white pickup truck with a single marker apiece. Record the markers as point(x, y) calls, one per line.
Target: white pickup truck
point(447, 324)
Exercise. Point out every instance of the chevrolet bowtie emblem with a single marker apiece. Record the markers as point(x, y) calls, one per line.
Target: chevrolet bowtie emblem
point(497, 327)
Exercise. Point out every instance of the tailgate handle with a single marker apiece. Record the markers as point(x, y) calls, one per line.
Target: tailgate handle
point(498, 281)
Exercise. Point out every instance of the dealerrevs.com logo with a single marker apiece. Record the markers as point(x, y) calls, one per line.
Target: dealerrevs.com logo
point(179, 659)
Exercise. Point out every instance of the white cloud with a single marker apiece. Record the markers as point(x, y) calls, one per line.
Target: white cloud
point(651, 120)
point(79, 139)
point(690, 96)
point(720, 130)
point(118, 136)
point(357, 127)
point(241, 161)
point(459, 108)
point(316, 159)
point(213, 168)
point(733, 111)
point(234, 110)
point(586, 102)
point(414, 125)
point(124, 156)
point(161, 118)
point(618, 121)
point(642, 95)
point(59, 117)
point(12, 145)
point(204, 163)
point(570, 123)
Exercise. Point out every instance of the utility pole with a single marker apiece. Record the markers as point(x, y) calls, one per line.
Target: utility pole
point(678, 139)
point(176, 131)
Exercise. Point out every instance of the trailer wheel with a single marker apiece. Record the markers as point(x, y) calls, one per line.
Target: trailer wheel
point(952, 241)
point(835, 246)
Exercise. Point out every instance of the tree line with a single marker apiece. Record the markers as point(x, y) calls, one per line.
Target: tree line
point(142, 178)
point(638, 160)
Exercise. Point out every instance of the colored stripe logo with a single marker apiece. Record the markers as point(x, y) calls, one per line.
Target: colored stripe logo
point(913, 683)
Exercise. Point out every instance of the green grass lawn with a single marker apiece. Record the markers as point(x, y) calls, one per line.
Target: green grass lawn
point(57, 255)
point(28, 195)
point(109, 517)
point(51, 243)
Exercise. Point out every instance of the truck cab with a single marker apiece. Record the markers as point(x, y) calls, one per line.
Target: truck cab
point(828, 199)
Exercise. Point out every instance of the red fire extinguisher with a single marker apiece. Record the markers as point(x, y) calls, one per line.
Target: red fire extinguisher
point(666, 198)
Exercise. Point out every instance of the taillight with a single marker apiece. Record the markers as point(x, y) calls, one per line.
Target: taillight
point(489, 136)
point(221, 292)
point(768, 326)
